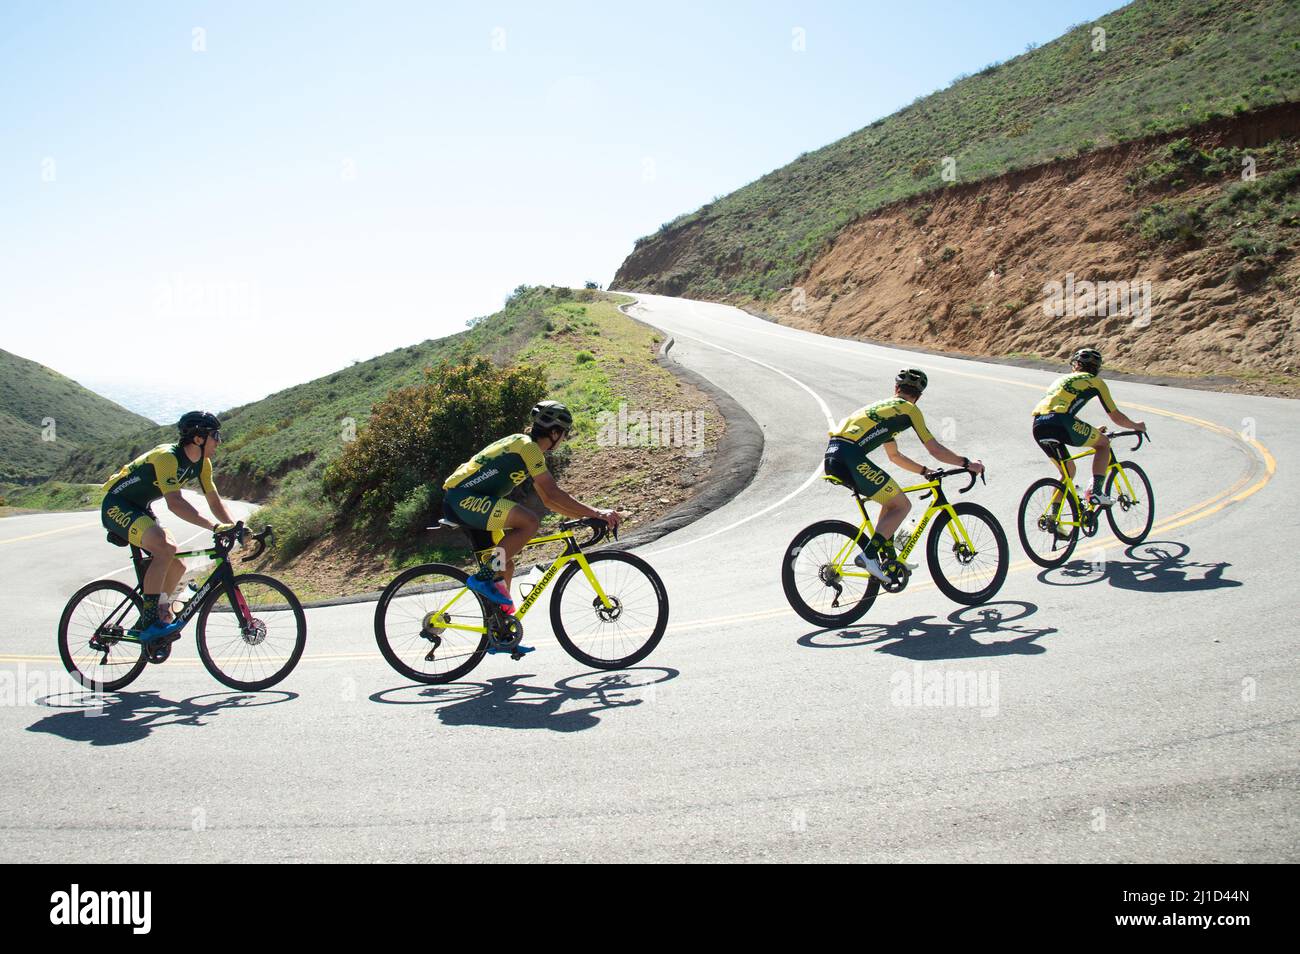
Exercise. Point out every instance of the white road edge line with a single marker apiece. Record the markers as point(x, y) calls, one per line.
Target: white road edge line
point(830, 424)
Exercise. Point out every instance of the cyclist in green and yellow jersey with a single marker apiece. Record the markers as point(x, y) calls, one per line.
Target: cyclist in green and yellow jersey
point(475, 495)
point(127, 510)
point(1055, 424)
point(867, 429)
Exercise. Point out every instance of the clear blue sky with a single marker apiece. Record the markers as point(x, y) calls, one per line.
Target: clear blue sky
point(327, 181)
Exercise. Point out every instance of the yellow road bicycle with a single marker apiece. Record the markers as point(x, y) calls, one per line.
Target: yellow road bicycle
point(823, 569)
point(1053, 515)
point(609, 610)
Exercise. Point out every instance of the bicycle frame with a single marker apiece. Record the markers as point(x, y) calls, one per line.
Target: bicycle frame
point(191, 606)
point(572, 552)
point(1082, 506)
point(221, 573)
point(939, 504)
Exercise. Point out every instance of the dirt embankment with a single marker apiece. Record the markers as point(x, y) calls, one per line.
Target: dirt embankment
point(650, 460)
point(969, 269)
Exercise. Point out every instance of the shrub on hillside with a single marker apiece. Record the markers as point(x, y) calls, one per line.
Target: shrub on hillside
point(418, 435)
point(299, 514)
point(1160, 222)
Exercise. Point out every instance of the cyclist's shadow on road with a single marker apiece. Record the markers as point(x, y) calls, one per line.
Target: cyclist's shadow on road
point(1156, 566)
point(122, 717)
point(573, 704)
point(926, 638)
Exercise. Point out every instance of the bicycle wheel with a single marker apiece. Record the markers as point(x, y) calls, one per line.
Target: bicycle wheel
point(610, 637)
point(1132, 513)
point(101, 610)
point(258, 644)
point(1046, 541)
point(412, 620)
point(968, 573)
point(815, 590)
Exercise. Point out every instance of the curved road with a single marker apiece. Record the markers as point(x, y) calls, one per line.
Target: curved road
point(1134, 706)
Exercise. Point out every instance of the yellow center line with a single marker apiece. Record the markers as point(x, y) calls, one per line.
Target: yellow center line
point(1192, 514)
point(1198, 511)
point(46, 533)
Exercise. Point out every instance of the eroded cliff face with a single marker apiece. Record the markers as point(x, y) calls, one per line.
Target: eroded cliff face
point(1203, 282)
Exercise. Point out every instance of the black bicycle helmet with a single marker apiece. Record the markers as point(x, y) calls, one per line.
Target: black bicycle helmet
point(1089, 359)
point(913, 379)
point(197, 422)
point(548, 414)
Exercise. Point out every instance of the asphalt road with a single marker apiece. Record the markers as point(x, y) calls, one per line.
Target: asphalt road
point(1136, 705)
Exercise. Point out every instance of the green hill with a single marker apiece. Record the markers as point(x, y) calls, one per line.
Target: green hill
point(1158, 65)
point(574, 345)
point(304, 426)
point(31, 397)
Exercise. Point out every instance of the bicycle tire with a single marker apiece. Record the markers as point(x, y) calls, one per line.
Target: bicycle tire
point(252, 640)
point(971, 514)
point(1131, 469)
point(1027, 523)
point(790, 583)
point(395, 635)
point(614, 587)
point(66, 651)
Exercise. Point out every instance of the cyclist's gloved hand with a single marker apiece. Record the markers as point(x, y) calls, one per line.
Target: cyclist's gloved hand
point(227, 527)
point(612, 517)
point(929, 474)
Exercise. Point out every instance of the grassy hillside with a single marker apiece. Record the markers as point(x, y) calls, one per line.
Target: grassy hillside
point(1166, 64)
point(305, 426)
point(581, 350)
point(280, 449)
point(31, 394)
point(966, 269)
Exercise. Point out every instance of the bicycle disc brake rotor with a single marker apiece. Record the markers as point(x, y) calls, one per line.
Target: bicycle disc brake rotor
point(254, 632)
point(607, 614)
point(963, 553)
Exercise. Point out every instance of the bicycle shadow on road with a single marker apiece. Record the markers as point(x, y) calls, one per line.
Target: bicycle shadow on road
point(1156, 566)
point(925, 638)
point(508, 702)
point(122, 717)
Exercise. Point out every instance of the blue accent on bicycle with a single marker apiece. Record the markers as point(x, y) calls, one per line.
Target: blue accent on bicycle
point(157, 630)
point(516, 651)
point(490, 590)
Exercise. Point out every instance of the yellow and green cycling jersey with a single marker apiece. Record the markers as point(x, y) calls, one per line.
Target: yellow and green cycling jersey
point(474, 493)
point(876, 424)
point(499, 468)
point(156, 473)
point(127, 494)
point(1069, 393)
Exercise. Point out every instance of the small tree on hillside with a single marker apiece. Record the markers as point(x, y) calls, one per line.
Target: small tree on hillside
point(416, 436)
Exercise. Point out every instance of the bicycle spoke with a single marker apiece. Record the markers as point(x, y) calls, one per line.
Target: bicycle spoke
point(416, 626)
point(821, 577)
point(623, 629)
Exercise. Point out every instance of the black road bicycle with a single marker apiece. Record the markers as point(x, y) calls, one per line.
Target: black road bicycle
point(251, 628)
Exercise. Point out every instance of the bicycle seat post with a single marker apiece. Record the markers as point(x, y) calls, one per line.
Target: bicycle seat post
point(140, 561)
